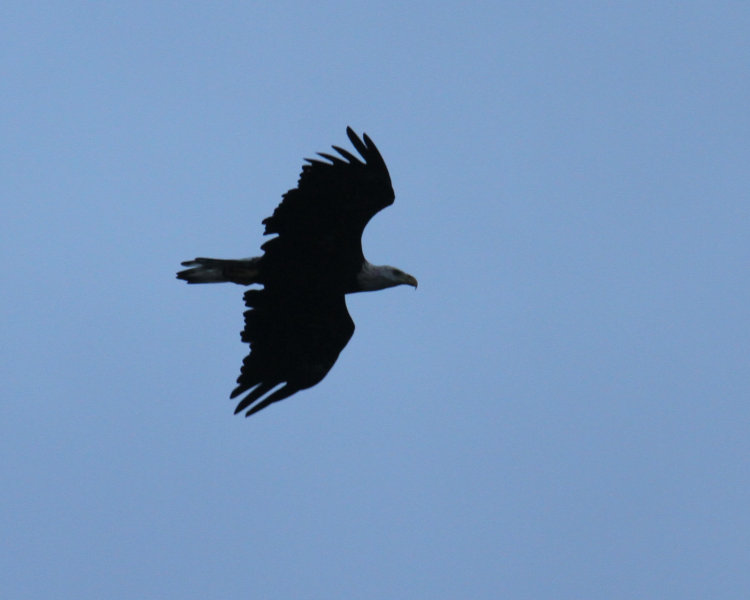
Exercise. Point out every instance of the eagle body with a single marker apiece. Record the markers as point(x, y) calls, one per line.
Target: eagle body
point(297, 322)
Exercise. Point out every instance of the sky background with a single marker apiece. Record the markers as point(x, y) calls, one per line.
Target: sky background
point(561, 410)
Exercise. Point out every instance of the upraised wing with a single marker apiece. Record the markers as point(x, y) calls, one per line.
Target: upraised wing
point(319, 223)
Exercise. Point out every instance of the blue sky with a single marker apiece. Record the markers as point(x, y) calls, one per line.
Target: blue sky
point(561, 409)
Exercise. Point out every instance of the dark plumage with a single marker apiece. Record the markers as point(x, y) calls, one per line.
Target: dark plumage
point(297, 323)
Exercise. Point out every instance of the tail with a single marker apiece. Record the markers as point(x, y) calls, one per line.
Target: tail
point(243, 271)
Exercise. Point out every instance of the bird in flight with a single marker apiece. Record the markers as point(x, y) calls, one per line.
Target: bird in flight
point(297, 323)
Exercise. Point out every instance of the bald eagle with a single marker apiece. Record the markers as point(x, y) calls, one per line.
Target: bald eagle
point(297, 323)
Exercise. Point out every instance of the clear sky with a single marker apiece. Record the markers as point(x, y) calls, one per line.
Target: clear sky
point(561, 410)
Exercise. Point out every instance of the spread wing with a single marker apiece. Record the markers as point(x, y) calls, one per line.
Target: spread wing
point(298, 323)
point(294, 340)
point(319, 224)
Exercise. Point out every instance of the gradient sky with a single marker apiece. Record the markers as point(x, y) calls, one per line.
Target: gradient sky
point(561, 410)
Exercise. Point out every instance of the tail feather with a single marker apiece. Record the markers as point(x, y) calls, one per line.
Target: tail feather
point(242, 271)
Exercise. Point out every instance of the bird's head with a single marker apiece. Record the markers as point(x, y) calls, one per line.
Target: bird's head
point(401, 278)
point(379, 277)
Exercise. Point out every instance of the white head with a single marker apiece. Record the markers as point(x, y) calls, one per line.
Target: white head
point(378, 277)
